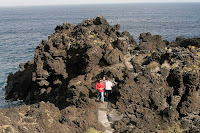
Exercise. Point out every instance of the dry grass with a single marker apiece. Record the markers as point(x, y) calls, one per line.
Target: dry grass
point(92, 130)
point(172, 129)
point(153, 66)
point(166, 65)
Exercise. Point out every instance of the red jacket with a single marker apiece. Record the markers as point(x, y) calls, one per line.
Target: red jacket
point(100, 85)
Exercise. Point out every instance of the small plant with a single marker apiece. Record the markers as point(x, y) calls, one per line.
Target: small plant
point(153, 51)
point(149, 55)
point(68, 46)
point(153, 66)
point(188, 69)
point(172, 129)
point(92, 130)
point(195, 66)
point(174, 65)
point(166, 65)
point(6, 128)
point(191, 47)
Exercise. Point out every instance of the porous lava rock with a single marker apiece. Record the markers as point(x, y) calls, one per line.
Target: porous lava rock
point(69, 52)
point(46, 118)
point(149, 42)
point(165, 100)
point(156, 82)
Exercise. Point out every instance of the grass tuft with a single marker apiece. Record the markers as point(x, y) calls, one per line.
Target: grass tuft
point(92, 130)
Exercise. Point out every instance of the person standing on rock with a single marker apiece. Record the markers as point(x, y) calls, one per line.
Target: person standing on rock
point(108, 88)
point(104, 79)
point(100, 86)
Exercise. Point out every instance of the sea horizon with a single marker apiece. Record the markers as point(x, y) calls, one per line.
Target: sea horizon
point(89, 4)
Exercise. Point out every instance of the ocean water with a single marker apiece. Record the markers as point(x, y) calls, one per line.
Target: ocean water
point(23, 28)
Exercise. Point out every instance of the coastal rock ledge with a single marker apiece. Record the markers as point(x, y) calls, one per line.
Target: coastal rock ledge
point(157, 82)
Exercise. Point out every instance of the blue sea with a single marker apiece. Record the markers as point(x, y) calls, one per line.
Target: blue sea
point(23, 28)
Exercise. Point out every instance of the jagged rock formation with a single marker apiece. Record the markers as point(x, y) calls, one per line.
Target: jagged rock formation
point(71, 52)
point(163, 91)
point(149, 42)
point(159, 93)
point(185, 42)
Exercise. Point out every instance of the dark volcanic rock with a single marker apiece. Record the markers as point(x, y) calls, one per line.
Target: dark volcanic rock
point(46, 118)
point(150, 99)
point(42, 117)
point(149, 42)
point(114, 56)
point(156, 90)
point(69, 52)
point(185, 42)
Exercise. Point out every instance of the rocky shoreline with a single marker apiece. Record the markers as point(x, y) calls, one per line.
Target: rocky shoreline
point(157, 86)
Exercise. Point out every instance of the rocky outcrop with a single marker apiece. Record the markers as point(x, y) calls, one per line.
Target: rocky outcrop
point(70, 52)
point(46, 118)
point(187, 42)
point(163, 91)
point(149, 42)
point(157, 82)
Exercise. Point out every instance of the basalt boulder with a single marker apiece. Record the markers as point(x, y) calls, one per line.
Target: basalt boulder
point(149, 42)
point(187, 42)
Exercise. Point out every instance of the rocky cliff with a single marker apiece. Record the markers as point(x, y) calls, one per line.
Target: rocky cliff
point(157, 86)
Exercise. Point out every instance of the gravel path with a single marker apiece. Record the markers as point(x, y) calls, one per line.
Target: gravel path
point(103, 117)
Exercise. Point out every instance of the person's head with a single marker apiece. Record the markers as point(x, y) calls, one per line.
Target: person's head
point(100, 80)
point(104, 78)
